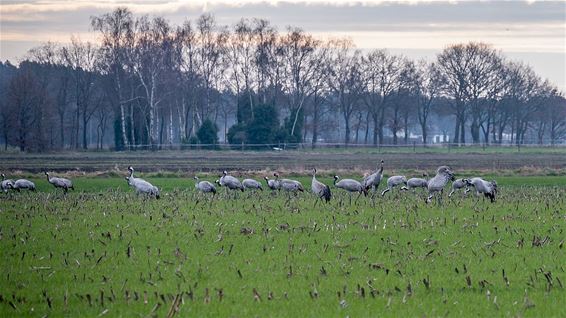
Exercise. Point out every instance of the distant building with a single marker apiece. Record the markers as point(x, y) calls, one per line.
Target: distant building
point(438, 139)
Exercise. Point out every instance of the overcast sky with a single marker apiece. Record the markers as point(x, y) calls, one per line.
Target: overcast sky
point(531, 31)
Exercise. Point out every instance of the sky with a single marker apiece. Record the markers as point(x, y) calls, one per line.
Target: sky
point(530, 31)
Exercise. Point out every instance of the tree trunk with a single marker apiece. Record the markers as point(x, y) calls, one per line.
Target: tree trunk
point(314, 125)
point(423, 129)
point(347, 130)
point(475, 131)
point(376, 129)
point(77, 126)
point(463, 130)
point(62, 129)
point(456, 139)
point(367, 129)
point(380, 126)
point(122, 114)
point(85, 126)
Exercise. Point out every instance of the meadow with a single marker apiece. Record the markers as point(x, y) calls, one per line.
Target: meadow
point(103, 251)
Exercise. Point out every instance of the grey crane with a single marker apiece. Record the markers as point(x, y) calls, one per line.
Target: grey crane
point(251, 184)
point(393, 182)
point(62, 183)
point(373, 180)
point(273, 184)
point(438, 182)
point(459, 184)
point(350, 185)
point(321, 190)
point(24, 184)
point(415, 183)
point(487, 188)
point(205, 186)
point(6, 184)
point(230, 182)
point(290, 185)
point(142, 186)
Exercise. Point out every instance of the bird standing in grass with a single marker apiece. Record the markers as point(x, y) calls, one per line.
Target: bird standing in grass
point(487, 188)
point(459, 184)
point(141, 185)
point(321, 190)
point(204, 186)
point(251, 184)
point(6, 184)
point(62, 183)
point(438, 182)
point(230, 182)
point(393, 182)
point(373, 180)
point(415, 183)
point(273, 184)
point(290, 185)
point(351, 186)
point(23, 184)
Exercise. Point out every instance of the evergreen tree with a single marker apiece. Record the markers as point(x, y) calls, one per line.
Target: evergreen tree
point(208, 134)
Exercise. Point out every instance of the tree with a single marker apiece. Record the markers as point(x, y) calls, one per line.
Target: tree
point(151, 59)
point(186, 45)
point(211, 48)
point(264, 126)
point(27, 103)
point(300, 68)
point(208, 133)
point(81, 59)
point(116, 29)
point(346, 81)
point(382, 73)
point(427, 83)
point(470, 74)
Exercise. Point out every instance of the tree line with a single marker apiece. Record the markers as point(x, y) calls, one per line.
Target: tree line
point(148, 83)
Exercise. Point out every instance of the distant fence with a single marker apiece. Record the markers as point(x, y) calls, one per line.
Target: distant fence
point(415, 147)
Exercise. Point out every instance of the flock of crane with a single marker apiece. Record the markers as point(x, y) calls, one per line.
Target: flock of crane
point(434, 185)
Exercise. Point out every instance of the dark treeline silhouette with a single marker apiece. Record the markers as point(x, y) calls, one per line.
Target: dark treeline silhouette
point(147, 83)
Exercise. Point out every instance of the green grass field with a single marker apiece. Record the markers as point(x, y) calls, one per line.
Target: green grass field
point(104, 251)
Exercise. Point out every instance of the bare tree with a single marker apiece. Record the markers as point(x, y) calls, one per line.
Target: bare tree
point(382, 72)
point(116, 30)
point(300, 69)
point(186, 46)
point(211, 48)
point(524, 87)
point(27, 103)
point(242, 57)
point(266, 56)
point(557, 115)
point(81, 59)
point(427, 82)
point(151, 59)
point(453, 63)
point(346, 81)
point(319, 86)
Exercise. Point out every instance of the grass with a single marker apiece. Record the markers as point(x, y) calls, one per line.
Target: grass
point(103, 251)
